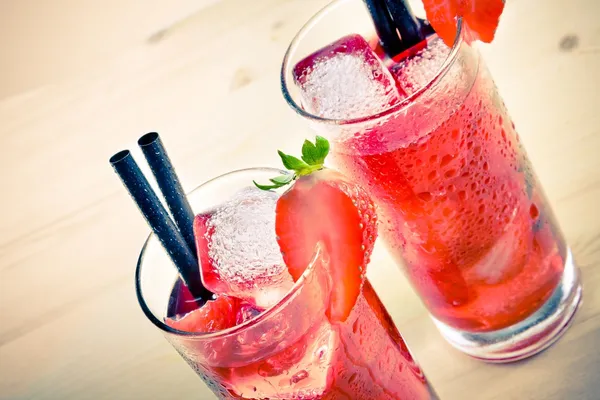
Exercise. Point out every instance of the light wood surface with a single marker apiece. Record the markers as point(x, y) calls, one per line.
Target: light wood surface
point(81, 79)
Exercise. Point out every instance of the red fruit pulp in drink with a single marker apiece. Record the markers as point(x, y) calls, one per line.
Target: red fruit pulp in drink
point(461, 207)
point(363, 358)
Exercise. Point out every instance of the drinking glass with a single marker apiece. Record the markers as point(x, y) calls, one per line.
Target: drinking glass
point(291, 350)
point(461, 209)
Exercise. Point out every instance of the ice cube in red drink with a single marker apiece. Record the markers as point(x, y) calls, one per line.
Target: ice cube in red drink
point(238, 251)
point(345, 79)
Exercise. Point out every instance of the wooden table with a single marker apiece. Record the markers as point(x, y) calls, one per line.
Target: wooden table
point(82, 79)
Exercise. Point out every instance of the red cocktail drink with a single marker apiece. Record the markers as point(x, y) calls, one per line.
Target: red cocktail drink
point(429, 137)
point(292, 347)
point(462, 207)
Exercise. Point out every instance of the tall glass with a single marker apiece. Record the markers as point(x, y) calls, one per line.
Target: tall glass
point(291, 350)
point(460, 206)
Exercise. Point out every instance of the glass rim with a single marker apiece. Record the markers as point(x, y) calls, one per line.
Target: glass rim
point(281, 303)
point(449, 60)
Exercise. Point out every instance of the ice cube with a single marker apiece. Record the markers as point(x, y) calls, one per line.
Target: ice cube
point(416, 70)
point(345, 80)
point(238, 252)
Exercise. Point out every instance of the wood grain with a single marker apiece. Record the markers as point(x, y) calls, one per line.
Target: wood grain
point(81, 80)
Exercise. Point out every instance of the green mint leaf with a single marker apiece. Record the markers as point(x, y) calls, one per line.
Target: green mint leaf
point(267, 187)
point(282, 179)
point(322, 147)
point(310, 153)
point(292, 163)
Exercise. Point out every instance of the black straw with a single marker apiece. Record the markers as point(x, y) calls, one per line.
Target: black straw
point(384, 26)
point(396, 25)
point(157, 217)
point(169, 184)
point(405, 21)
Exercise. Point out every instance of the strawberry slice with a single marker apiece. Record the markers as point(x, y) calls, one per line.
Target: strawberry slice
point(322, 206)
point(441, 14)
point(480, 16)
point(213, 316)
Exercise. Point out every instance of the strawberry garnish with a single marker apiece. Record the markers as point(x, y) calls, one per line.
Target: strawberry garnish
point(480, 16)
point(323, 206)
point(213, 316)
point(441, 14)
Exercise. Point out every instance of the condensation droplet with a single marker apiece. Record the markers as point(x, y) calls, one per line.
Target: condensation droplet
point(298, 376)
point(534, 211)
point(450, 173)
point(446, 160)
point(425, 196)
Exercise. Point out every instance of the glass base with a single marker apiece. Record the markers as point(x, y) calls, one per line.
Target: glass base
point(528, 337)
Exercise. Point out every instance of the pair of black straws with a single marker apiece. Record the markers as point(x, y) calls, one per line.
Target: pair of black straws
point(398, 30)
point(176, 235)
point(396, 25)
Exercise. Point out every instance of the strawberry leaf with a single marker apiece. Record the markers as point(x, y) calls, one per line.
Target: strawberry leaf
point(313, 157)
point(310, 153)
point(268, 187)
point(322, 146)
point(282, 179)
point(314, 153)
point(292, 163)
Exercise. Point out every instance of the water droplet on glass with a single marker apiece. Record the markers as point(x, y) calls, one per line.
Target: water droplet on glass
point(298, 376)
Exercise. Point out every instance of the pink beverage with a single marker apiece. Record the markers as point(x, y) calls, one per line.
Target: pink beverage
point(307, 357)
point(289, 350)
point(460, 206)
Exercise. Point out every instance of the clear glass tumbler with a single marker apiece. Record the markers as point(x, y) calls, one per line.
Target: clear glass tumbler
point(460, 205)
point(291, 350)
